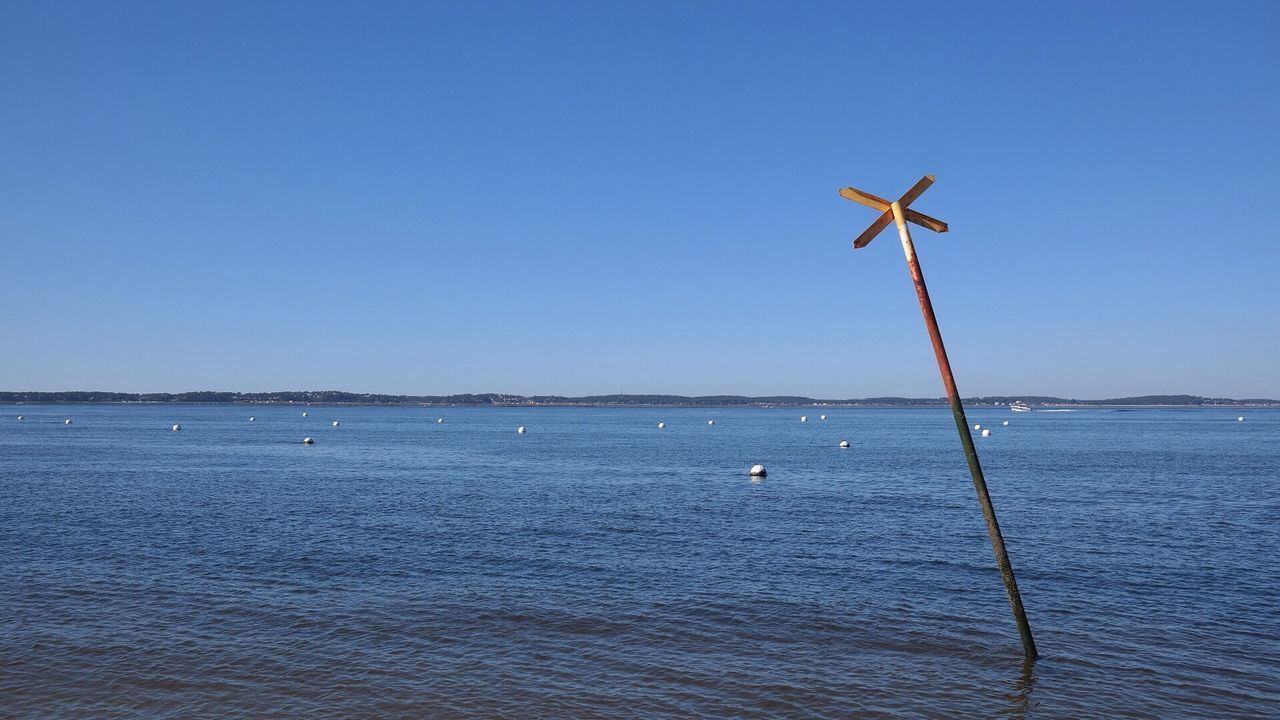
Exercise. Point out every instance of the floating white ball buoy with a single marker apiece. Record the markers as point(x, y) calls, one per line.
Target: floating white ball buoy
point(19, 417)
point(844, 443)
point(176, 427)
point(336, 423)
point(308, 441)
point(709, 422)
point(304, 414)
point(822, 417)
point(439, 420)
point(758, 471)
point(67, 421)
point(520, 430)
point(1239, 419)
point(804, 418)
point(1006, 423)
point(986, 433)
point(251, 419)
point(977, 427)
point(661, 425)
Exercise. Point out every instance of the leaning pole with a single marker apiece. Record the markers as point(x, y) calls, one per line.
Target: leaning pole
point(897, 212)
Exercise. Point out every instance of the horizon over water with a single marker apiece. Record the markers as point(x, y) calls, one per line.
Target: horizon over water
point(598, 566)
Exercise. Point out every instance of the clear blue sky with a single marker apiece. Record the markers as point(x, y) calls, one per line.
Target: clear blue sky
point(582, 198)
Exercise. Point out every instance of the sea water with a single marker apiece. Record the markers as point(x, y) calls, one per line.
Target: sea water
point(597, 566)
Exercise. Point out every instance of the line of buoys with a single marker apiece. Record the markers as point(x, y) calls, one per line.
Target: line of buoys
point(756, 471)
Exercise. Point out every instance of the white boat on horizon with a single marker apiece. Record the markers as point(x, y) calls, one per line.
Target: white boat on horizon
point(1019, 406)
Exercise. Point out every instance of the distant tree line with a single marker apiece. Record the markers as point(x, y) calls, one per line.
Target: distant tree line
point(335, 397)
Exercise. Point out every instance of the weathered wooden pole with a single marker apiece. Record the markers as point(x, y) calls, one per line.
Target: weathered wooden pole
point(897, 213)
point(966, 439)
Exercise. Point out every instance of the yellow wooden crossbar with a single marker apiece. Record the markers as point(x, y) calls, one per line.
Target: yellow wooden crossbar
point(886, 212)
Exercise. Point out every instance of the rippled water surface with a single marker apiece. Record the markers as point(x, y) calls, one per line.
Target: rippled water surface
point(597, 566)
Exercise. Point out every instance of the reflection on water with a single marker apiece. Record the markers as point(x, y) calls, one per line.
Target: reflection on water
point(595, 567)
point(1020, 698)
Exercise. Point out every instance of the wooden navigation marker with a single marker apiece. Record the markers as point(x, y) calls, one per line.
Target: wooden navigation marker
point(886, 217)
point(898, 213)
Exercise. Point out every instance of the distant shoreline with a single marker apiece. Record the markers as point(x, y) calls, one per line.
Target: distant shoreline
point(338, 398)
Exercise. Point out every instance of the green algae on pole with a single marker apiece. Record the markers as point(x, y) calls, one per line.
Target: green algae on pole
point(897, 213)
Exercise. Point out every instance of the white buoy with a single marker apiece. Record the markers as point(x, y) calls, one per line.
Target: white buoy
point(439, 420)
point(304, 414)
point(308, 441)
point(520, 430)
point(986, 433)
point(1006, 423)
point(844, 443)
point(19, 417)
point(758, 471)
point(251, 419)
point(709, 422)
point(67, 421)
point(661, 425)
point(977, 427)
point(176, 427)
point(1239, 419)
point(804, 418)
point(335, 423)
point(822, 417)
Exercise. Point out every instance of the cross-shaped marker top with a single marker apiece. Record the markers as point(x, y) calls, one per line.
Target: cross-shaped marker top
point(886, 208)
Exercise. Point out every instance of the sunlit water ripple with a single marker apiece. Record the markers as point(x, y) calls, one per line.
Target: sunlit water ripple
point(600, 567)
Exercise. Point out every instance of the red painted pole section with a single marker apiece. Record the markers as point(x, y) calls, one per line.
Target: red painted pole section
point(966, 439)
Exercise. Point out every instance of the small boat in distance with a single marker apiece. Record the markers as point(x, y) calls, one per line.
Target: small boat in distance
point(1019, 406)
